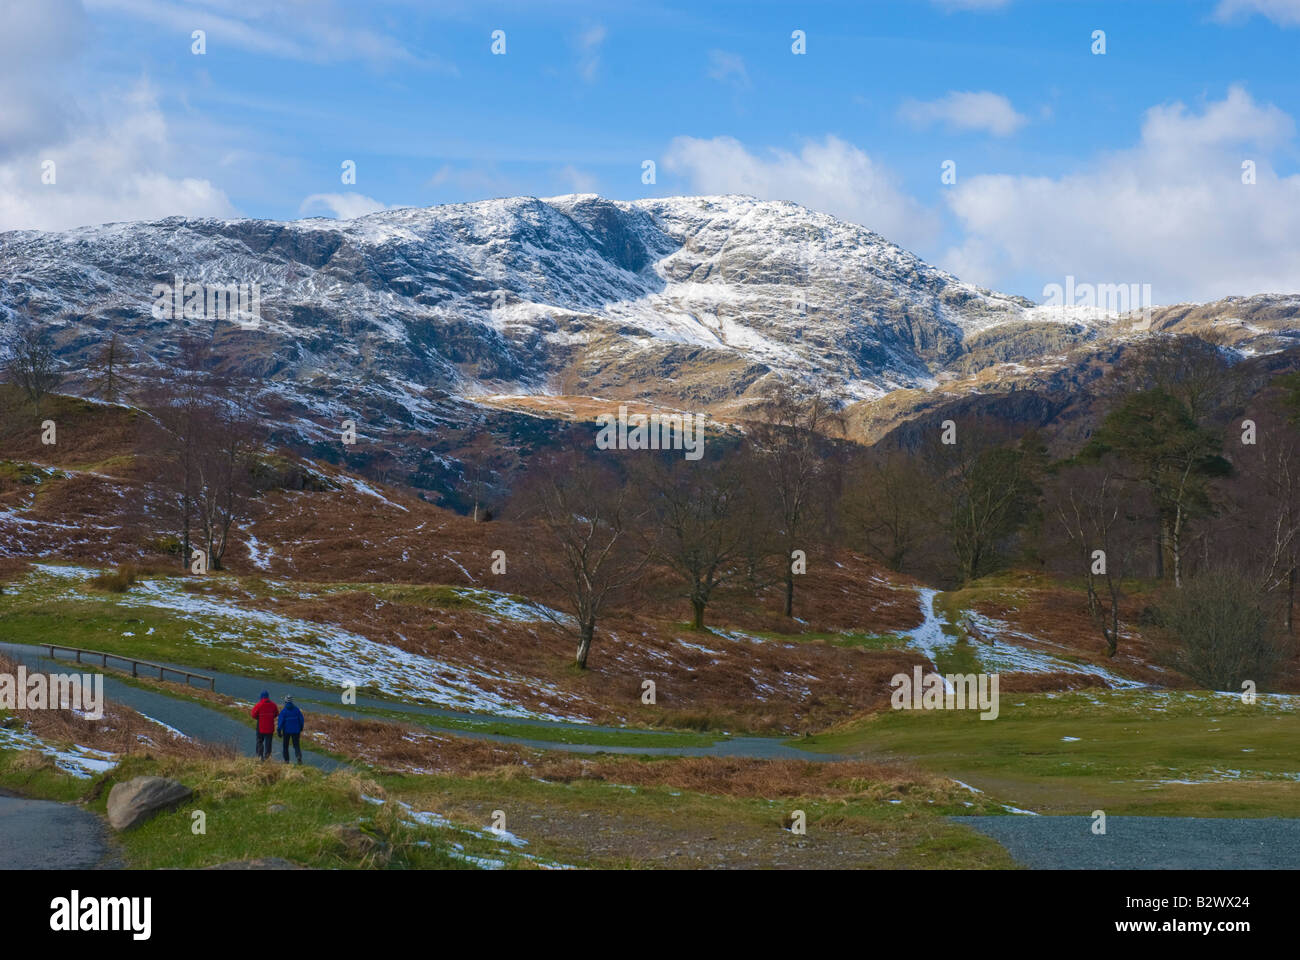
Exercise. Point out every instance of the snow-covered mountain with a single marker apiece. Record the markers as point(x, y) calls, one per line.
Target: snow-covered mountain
point(521, 295)
point(404, 317)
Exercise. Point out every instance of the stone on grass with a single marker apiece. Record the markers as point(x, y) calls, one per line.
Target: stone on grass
point(132, 803)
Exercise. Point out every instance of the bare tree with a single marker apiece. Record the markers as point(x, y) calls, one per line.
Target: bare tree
point(1189, 367)
point(992, 490)
point(888, 507)
point(1263, 531)
point(173, 436)
point(705, 515)
point(790, 442)
point(32, 364)
point(1224, 631)
point(227, 442)
point(477, 487)
point(1099, 512)
point(588, 517)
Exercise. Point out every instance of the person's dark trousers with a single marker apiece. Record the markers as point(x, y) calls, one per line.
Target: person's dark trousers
point(296, 749)
point(265, 744)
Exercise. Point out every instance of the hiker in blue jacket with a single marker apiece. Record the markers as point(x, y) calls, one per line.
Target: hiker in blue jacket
point(290, 724)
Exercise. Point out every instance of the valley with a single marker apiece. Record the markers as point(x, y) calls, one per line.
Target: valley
point(390, 479)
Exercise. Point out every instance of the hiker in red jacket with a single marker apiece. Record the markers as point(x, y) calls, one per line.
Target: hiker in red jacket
point(265, 712)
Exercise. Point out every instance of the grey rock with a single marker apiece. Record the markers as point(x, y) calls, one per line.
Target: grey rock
point(134, 802)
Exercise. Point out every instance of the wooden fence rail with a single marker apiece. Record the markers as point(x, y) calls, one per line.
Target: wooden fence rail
point(135, 664)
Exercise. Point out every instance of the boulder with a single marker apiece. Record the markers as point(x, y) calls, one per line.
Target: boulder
point(134, 802)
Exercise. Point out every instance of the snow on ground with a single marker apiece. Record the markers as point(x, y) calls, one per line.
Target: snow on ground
point(1224, 776)
point(1001, 654)
point(929, 637)
point(170, 729)
point(79, 761)
point(360, 486)
point(412, 817)
point(258, 554)
point(696, 646)
point(328, 653)
point(503, 606)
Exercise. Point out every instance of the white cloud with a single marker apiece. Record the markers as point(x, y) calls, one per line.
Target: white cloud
point(579, 181)
point(115, 165)
point(1171, 211)
point(728, 68)
point(113, 155)
point(343, 206)
point(1285, 13)
point(966, 110)
point(832, 176)
point(316, 33)
point(589, 43)
point(36, 39)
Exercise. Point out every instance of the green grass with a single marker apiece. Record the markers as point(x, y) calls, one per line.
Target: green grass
point(1128, 741)
point(915, 832)
point(432, 596)
point(101, 624)
point(22, 774)
point(237, 799)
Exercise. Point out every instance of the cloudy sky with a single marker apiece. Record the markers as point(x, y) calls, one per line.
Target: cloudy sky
point(1169, 159)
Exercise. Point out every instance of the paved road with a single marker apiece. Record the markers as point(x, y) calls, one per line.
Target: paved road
point(1145, 843)
point(203, 723)
point(43, 835)
point(192, 719)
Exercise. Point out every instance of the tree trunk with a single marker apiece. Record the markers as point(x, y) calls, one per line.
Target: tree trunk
point(1176, 543)
point(1290, 601)
point(584, 644)
point(698, 606)
point(1094, 605)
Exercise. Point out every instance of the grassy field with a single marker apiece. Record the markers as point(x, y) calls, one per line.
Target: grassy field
point(1121, 751)
point(1152, 752)
point(361, 819)
point(43, 607)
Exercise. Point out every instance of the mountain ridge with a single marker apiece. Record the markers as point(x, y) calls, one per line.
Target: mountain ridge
point(409, 319)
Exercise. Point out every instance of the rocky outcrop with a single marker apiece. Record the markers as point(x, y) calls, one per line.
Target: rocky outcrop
point(132, 803)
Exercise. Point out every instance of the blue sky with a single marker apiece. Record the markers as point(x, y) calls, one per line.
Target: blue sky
point(1122, 167)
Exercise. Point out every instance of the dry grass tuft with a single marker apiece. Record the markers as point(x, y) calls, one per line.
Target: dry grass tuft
point(119, 581)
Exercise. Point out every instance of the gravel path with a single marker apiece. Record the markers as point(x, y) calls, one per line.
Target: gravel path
point(1146, 843)
point(43, 835)
point(192, 719)
point(204, 723)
